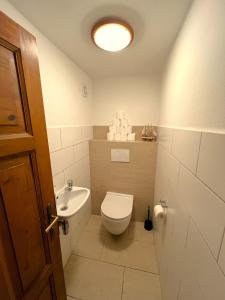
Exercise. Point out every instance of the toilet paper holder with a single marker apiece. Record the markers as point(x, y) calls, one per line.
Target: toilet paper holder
point(163, 203)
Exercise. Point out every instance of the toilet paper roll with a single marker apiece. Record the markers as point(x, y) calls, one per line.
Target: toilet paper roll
point(110, 136)
point(118, 137)
point(159, 211)
point(131, 137)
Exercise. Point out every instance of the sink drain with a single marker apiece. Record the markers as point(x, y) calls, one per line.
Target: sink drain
point(64, 207)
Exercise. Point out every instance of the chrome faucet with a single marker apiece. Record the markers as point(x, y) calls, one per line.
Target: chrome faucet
point(69, 185)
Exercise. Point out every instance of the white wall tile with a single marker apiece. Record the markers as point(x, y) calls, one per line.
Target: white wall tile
point(211, 165)
point(165, 187)
point(165, 137)
point(65, 246)
point(62, 159)
point(87, 133)
point(72, 173)
point(191, 268)
point(81, 150)
point(167, 170)
point(189, 289)
point(78, 222)
point(222, 256)
point(208, 274)
point(70, 160)
point(71, 136)
point(185, 147)
point(58, 181)
point(207, 210)
point(174, 249)
point(54, 139)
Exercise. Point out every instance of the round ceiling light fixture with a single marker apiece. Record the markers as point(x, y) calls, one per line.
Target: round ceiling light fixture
point(111, 34)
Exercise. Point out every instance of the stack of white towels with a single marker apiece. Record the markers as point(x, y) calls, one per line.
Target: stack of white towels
point(120, 130)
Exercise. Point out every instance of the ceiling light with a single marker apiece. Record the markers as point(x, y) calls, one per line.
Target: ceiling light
point(112, 34)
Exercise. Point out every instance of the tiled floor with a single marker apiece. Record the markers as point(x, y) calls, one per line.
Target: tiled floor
point(104, 267)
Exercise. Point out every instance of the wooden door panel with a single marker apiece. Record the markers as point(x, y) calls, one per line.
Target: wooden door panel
point(12, 90)
point(46, 295)
point(18, 193)
point(10, 284)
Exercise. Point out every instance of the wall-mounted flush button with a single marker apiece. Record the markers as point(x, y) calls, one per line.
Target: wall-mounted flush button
point(120, 155)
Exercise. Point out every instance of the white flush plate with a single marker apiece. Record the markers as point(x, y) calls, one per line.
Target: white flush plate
point(120, 155)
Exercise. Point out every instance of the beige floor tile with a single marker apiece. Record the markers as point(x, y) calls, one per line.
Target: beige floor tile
point(93, 280)
point(137, 232)
point(94, 224)
point(130, 253)
point(113, 249)
point(72, 298)
point(89, 245)
point(142, 256)
point(140, 285)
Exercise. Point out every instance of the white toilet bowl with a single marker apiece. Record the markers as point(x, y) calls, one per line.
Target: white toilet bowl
point(116, 210)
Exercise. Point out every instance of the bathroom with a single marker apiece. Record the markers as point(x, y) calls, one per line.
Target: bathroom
point(136, 136)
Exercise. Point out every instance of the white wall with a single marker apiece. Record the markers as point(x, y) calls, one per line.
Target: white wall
point(193, 91)
point(61, 79)
point(64, 105)
point(138, 96)
point(190, 172)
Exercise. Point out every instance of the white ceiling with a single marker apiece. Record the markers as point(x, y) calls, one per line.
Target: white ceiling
point(67, 23)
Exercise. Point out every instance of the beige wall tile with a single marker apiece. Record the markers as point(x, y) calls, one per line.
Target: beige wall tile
point(100, 132)
point(136, 177)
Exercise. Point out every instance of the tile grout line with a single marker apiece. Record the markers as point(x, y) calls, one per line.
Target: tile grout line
point(194, 173)
point(123, 283)
point(223, 238)
point(113, 264)
point(73, 297)
point(198, 156)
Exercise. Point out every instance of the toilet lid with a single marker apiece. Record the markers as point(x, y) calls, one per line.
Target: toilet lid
point(117, 206)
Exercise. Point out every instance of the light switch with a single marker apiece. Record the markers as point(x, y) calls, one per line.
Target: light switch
point(120, 155)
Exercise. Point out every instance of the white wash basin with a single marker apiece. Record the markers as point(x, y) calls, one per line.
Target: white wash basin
point(68, 203)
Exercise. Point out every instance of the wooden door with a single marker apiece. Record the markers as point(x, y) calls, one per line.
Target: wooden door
point(30, 259)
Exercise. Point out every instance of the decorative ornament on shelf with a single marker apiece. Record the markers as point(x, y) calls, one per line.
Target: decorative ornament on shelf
point(148, 133)
point(120, 130)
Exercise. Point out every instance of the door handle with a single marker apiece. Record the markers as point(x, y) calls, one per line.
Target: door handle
point(54, 220)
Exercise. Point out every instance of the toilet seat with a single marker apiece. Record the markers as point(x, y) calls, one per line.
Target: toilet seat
point(117, 206)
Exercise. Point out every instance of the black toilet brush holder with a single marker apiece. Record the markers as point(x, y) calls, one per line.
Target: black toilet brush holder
point(148, 222)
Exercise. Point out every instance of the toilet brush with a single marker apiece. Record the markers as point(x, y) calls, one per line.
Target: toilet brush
point(148, 223)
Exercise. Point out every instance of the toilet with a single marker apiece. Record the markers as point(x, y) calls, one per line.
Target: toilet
point(116, 210)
